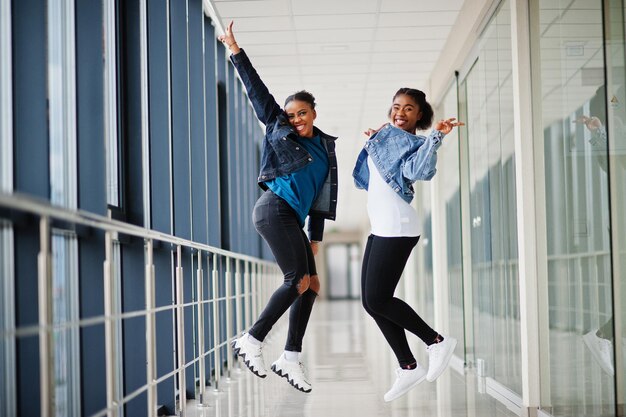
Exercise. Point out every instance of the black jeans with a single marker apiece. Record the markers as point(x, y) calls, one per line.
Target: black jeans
point(277, 223)
point(383, 263)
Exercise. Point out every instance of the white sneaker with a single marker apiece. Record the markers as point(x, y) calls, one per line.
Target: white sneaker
point(405, 380)
point(601, 350)
point(250, 354)
point(439, 355)
point(293, 371)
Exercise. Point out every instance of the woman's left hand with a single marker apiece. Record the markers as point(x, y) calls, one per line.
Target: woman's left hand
point(228, 38)
point(446, 126)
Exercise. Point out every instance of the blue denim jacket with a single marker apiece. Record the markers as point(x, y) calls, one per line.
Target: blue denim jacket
point(281, 154)
point(401, 159)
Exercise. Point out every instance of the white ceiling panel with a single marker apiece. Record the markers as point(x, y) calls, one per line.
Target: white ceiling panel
point(274, 61)
point(271, 50)
point(265, 38)
point(406, 58)
point(335, 21)
point(399, 45)
point(420, 33)
point(335, 35)
point(330, 70)
point(420, 5)
point(421, 18)
point(261, 24)
point(255, 8)
point(335, 47)
point(346, 80)
point(330, 7)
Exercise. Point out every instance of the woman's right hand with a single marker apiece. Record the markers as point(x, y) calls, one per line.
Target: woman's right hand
point(592, 123)
point(228, 39)
point(369, 132)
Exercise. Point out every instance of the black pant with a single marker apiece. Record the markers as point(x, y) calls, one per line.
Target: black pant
point(383, 263)
point(278, 224)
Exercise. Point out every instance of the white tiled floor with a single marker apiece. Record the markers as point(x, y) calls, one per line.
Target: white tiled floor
point(350, 367)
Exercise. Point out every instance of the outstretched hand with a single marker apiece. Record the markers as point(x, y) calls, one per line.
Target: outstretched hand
point(228, 38)
point(446, 126)
point(592, 123)
point(369, 132)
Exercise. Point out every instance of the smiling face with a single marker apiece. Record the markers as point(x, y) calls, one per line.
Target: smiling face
point(301, 116)
point(405, 113)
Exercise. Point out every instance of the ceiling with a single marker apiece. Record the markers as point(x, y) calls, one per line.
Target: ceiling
point(351, 54)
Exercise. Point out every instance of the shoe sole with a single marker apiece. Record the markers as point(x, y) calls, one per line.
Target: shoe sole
point(596, 356)
point(446, 361)
point(280, 373)
point(245, 361)
point(409, 388)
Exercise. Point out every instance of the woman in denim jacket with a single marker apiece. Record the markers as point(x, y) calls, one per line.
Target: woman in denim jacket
point(391, 161)
point(299, 176)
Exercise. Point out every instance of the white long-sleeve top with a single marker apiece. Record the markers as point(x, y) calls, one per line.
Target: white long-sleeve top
point(390, 215)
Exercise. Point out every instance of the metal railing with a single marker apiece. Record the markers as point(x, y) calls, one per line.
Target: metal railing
point(233, 306)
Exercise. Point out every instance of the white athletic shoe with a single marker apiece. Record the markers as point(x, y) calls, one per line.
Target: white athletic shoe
point(439, 355)
point(601, 350)
point(405, 380)
point(251, 355)
point(294, 372)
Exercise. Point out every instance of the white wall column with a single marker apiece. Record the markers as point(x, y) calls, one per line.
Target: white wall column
point(530, 194)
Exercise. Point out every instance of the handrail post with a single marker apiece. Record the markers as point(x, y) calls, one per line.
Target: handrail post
point(150, 328)
point(254, 291)
point(180, 345)
point(109, 326)
point(246, 293)
point(46, 343)
point(201, 348)
point(227, 296)
point(238, 295)
point(216, 324)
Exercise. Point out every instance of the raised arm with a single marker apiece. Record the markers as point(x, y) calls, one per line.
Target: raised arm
point(265, 106)
point(421, 165)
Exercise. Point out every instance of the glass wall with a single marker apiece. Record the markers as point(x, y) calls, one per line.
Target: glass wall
point(488, 94)
point(573, 116)
point(615, 18)
point(448, 184)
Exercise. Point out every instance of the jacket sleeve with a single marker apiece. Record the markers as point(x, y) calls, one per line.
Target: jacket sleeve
point(265, 106)
point(420, 165)
point(316, 228)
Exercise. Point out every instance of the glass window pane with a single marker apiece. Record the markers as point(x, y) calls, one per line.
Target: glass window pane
point(493, 221)
point(449, 183)
point(573, 111)
point(62, 102)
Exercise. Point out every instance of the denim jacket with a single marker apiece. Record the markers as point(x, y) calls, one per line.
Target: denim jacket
point(281, 154)
point(401, 159)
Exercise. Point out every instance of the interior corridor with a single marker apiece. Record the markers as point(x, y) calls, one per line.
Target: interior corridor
point(351, 368)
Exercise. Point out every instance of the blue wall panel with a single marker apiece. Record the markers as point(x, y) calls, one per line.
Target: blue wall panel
point(30, 146)
point(92, 196)
point(160, 165)
point(212, 143)
point(180, 121)
point(196, 116)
